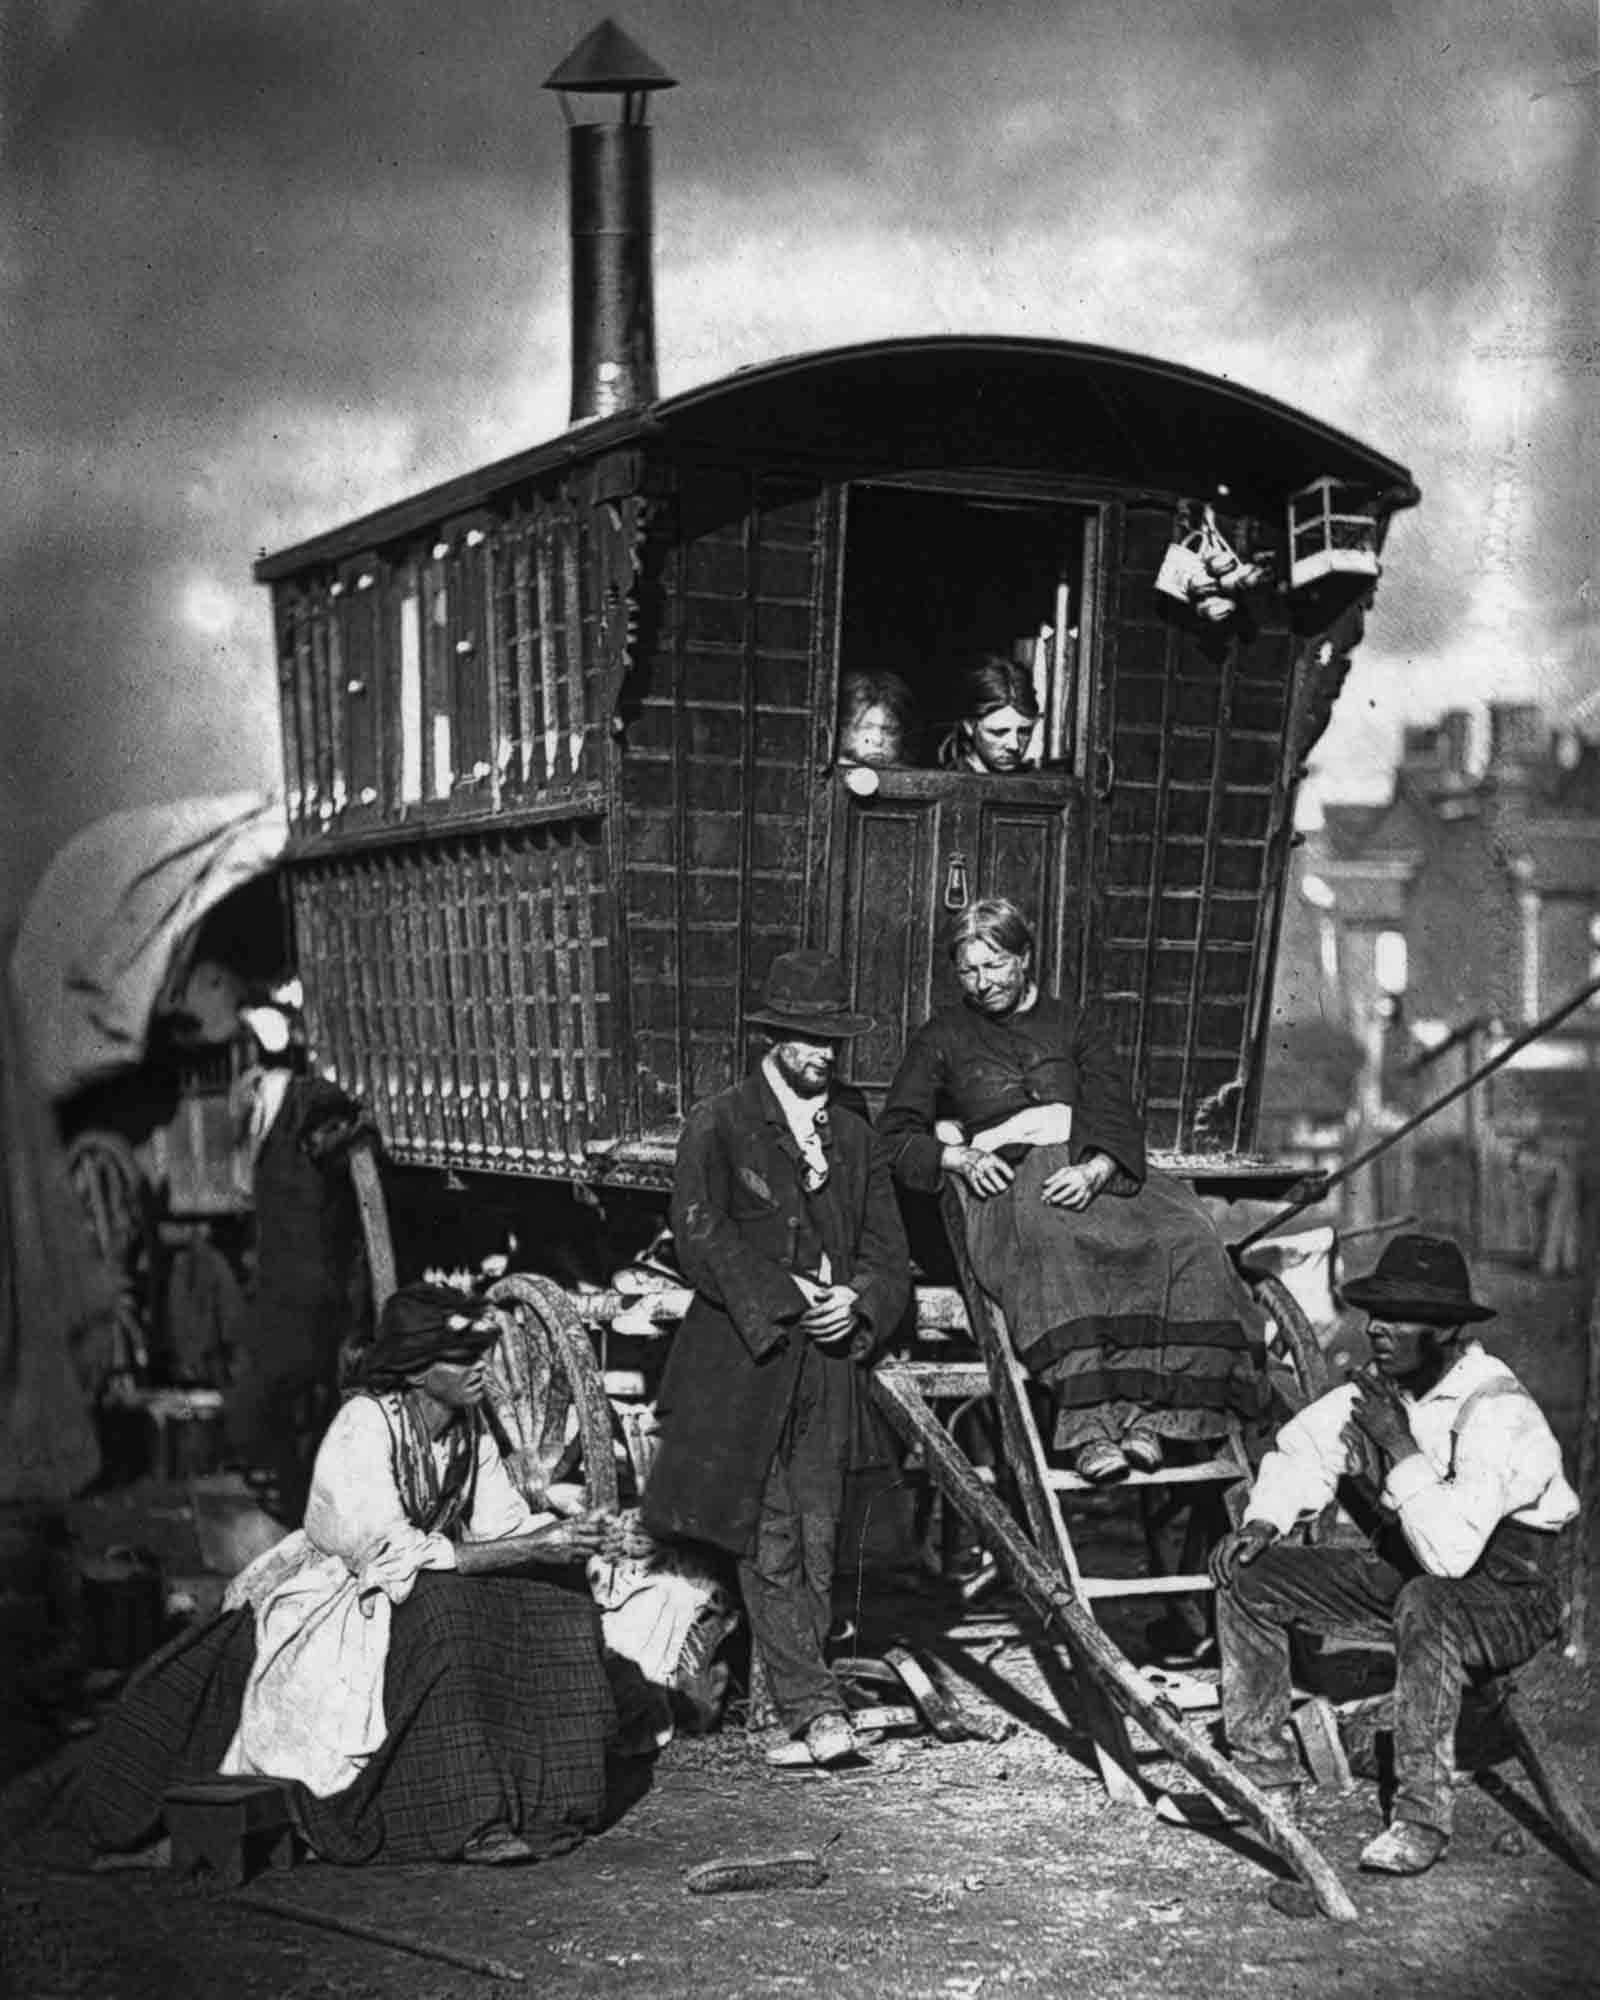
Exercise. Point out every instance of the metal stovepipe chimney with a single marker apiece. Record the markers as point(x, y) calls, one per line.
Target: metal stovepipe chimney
point(613, 293)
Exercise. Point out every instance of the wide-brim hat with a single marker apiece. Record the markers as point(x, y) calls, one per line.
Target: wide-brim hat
point(806, 993)
point(1422, 1278)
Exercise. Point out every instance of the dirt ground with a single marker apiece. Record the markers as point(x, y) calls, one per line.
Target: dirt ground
point(976, 1868)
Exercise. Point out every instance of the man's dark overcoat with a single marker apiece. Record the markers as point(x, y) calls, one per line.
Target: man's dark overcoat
point(743, 1224)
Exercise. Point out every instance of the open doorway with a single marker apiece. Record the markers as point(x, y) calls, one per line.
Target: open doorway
point(934, 580)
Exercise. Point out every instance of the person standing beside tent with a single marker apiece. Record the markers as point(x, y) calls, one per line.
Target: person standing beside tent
point(311, 1295)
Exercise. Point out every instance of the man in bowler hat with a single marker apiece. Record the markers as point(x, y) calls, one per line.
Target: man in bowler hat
point(1462, 1573)
point(786, 1224)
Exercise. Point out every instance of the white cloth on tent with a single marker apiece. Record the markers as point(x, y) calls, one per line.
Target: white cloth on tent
point(56, 1296)
point(111, 913)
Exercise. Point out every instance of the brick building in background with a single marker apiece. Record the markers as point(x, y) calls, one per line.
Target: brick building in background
point(1421, 934)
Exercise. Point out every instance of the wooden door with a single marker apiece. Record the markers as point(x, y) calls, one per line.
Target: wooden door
point(910, 852)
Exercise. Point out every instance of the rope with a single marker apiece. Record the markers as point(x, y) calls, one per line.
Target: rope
point(1321, 1185)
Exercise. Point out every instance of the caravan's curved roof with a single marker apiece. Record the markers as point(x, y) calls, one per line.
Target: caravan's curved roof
point(1099, 414)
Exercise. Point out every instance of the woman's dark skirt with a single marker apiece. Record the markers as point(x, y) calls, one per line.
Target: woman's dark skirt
point(499, 1714)
point(1131, 1305)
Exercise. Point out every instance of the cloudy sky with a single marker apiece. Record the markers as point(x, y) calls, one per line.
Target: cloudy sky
point(268, 263)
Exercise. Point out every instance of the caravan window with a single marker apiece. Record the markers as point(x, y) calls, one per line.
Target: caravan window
point(933, 581)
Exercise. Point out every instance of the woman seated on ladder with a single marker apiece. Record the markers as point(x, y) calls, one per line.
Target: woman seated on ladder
point(421, 1665)
point(1116, 1289)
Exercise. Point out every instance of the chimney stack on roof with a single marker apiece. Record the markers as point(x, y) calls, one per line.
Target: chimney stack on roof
point(1516, 735)
point(1436, 753)
point(613, 290)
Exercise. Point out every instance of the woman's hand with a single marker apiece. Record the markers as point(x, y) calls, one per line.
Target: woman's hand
point(1075, 1187)
point(1038, 1125)
point(575, 1539)
point(985, 1173)
point(551, 1547)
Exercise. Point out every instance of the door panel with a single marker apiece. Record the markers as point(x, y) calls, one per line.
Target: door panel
point(1028, 852)
point(882, 922)
point(914, 851)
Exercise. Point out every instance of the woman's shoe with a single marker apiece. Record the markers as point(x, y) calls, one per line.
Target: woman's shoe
point(1100, 1462)
point(496, 1847)
point(1142, 1448)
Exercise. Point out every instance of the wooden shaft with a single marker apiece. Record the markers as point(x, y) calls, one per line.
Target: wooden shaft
point(1323, 1184)
point(323, 1920)
point(1578, 1613)
point(374, 1213)
point(1561, 1805)
point(1092, 1653)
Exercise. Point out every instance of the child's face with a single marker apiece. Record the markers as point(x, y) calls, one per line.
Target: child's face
point(872, 736)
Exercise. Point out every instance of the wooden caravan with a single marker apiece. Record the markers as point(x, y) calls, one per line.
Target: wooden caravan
point(560, 738)
point(564, 759)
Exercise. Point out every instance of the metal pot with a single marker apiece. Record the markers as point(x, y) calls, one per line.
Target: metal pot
point(123, 1608)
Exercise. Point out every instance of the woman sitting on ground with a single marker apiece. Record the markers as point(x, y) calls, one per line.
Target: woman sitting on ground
point(877, 712)
point(397, 1663)
point(998, 715)
point(1116, 1289)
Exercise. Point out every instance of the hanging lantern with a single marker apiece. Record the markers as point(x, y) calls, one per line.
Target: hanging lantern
point(1333, 531)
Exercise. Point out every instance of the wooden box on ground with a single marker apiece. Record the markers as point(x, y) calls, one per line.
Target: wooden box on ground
point(229, 1828)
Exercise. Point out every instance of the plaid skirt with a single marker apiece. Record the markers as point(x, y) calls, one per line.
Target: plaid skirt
point(499, 1713)
point(1131, 1301)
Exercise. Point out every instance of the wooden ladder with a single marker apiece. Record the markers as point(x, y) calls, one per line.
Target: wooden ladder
point(1108, 1684)
point(1043, 1488)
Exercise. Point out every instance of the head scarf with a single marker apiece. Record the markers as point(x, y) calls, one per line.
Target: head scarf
point(419, 1325)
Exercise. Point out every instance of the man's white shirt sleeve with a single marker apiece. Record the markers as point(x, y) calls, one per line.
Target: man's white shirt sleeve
point(1299, 1475)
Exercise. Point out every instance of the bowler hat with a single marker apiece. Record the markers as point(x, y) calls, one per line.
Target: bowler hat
point(1422, 1278)
point(806, 993)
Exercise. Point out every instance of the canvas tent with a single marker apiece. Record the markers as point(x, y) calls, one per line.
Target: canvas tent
point(106, 934)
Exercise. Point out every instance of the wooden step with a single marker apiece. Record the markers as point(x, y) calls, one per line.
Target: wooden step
point(942, 1380)
point(1183, 1585)
point(1212, 1469)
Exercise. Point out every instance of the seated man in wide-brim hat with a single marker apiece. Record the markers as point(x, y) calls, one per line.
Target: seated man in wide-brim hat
point(1463, 1572)
point(786, 1224)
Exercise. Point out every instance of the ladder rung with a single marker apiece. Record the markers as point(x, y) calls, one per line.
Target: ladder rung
point(945, 1378)
point(1170, 1475)
point(1093, 1587)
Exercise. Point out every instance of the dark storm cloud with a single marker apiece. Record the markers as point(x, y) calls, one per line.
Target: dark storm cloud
point(276, 262)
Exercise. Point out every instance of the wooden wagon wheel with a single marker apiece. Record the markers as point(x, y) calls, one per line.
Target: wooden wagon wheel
point(115, 1198)
point(1296, 1335)
point(544, 1366)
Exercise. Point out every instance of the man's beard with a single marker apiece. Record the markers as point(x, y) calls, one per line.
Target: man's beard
point(807, 1082)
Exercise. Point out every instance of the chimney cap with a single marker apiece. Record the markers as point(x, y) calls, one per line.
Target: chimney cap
point(608, 60)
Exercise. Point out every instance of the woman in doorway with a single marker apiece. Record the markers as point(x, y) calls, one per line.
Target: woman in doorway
point(1117, 1291)
point(998, 715)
